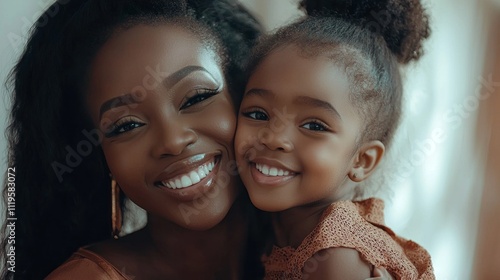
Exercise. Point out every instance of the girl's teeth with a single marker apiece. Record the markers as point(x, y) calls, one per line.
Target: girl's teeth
point(191, 178)
point(271, 171)
point(265, 170)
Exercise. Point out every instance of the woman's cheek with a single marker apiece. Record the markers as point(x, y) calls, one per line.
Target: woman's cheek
point(220, 122)
point(123, 161)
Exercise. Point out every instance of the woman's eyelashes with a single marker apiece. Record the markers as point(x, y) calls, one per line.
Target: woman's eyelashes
point(201, 95)
point(122, 126)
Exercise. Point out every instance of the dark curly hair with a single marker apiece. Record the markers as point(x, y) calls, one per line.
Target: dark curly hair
point(369, 39)
point(61, 208)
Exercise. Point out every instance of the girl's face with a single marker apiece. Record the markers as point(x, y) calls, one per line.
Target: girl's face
point(297, 132)
point(159, 98)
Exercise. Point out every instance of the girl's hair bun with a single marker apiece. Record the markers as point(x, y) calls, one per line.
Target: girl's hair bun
point(404, 24)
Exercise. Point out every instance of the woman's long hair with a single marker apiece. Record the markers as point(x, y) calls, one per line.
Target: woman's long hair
point(62, 186)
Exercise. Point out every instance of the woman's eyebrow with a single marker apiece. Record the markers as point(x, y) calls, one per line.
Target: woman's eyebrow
point(168, 82)
point(122, 100)
point(178, 75)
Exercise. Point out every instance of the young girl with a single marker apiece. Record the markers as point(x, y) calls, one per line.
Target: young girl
point(320, 108)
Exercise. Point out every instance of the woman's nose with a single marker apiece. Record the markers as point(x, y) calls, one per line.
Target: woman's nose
point(172, 138)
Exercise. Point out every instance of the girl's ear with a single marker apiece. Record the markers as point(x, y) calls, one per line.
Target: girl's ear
point(368, 157)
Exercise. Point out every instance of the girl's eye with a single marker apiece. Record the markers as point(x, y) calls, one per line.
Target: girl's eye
point(122, 127)
point(201, 95)
point(256, 115)
point(315, 126)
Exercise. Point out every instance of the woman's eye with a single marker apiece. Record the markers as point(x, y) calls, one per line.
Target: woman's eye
point(120, 128)
point(256, 115)
point(315, 126)
point(201, 95)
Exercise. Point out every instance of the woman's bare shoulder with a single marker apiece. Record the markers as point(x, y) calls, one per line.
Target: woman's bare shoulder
point(85, 264)
point(107, 260)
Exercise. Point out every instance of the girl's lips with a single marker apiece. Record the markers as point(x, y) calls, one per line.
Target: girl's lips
point(272, 171)
point(269, 175)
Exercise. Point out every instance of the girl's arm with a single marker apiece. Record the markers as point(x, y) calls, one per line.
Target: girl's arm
point(337, 263)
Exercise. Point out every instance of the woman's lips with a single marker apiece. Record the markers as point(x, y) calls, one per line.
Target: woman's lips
point(193, 179)
point(190, 178)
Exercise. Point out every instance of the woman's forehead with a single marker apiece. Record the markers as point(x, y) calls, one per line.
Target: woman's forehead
point(144, 54)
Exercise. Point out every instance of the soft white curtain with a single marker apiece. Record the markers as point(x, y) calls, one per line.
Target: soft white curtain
point(432, 178)
point(439, 166)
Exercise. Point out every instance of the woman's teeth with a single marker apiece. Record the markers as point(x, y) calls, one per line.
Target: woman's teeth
point(191, 178)
point(271, 171)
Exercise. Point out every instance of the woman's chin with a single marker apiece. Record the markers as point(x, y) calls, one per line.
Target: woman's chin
point(203, 219)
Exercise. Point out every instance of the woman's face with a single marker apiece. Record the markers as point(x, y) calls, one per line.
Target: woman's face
point(159, 98)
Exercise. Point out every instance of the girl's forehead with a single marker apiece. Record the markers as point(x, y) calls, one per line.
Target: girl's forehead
point(289, 66)
point(315, 65)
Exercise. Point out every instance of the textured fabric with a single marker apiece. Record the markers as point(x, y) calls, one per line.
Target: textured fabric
point(358, 225)
point(85, 265)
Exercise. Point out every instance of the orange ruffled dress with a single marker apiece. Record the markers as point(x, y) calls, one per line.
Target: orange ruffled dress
point(358, 225)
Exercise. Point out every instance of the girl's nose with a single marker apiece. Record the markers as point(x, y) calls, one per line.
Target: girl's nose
point(277, 140)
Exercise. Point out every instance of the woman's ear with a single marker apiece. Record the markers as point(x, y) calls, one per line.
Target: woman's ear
point(367, 159)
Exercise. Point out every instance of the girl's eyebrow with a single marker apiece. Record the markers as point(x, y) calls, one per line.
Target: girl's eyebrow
point(301, 100)
point(259, 91)
point(318, 103)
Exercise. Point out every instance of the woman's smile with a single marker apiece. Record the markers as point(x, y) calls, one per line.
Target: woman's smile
point(190, 177)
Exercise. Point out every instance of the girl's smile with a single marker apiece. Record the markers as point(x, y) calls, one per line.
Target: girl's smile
point(268, 171)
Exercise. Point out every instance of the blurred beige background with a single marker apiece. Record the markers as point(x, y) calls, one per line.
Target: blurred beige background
point(443, 194)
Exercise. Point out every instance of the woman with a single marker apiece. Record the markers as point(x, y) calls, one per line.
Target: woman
point(153, 52)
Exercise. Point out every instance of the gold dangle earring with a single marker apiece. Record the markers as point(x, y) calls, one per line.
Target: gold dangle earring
point(116, 212)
